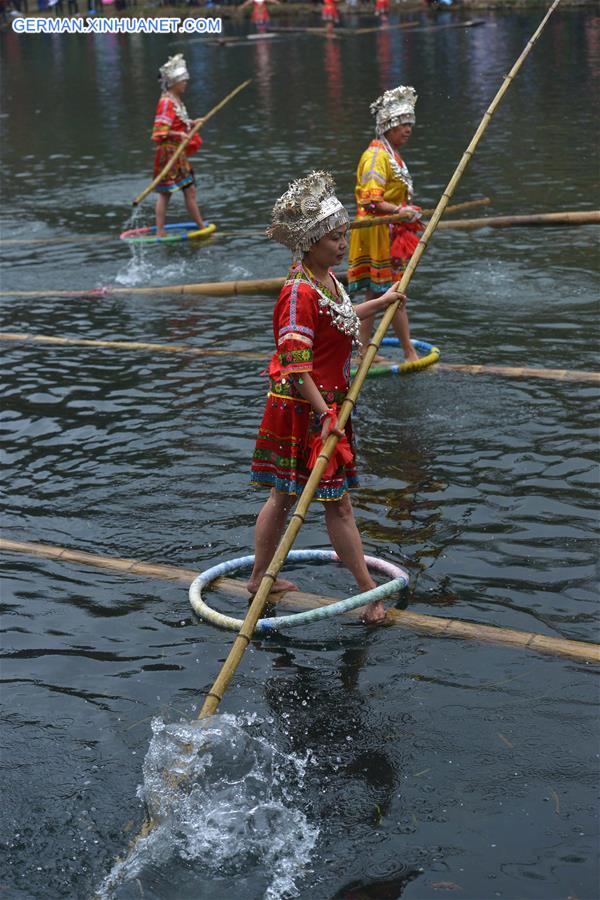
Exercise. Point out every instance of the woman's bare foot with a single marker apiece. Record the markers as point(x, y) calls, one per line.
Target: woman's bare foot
point(377, 360)
point(411, 355)
point(374, 613)
point(160, 232)
point(278, 586)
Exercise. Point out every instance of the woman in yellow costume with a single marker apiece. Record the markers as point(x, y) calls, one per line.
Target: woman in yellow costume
point(379, 255)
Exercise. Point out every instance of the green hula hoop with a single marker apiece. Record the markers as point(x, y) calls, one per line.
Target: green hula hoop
point(399, 580)
point(430, 356)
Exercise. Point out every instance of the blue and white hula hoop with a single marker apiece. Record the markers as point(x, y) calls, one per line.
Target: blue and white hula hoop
point(399, 580)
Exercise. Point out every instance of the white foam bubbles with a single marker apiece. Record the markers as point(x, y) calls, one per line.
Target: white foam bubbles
point(223, 796)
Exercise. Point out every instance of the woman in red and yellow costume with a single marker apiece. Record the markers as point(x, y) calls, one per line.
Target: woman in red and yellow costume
point(379, 255)
point(315, 327)
point(172, 125)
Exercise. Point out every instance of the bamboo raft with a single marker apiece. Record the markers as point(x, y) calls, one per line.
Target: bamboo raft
point(436, 626)
point(506, 371)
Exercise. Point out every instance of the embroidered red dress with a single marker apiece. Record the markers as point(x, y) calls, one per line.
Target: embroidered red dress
point(173, 117)
point(260, 13)
point(307, 342)
point(329, 12)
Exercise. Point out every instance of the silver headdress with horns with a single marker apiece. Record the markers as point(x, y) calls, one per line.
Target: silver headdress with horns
point(174, 70)
point(306, 212)
point(393, 108)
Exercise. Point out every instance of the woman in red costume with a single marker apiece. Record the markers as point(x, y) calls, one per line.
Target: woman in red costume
point(315, 326)
point(260, 12)
point(330, 13)
point(382, 9)
point(171, 126)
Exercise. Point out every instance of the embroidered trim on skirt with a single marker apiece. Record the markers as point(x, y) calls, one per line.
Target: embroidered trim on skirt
point(180, 176)
point(281, 454)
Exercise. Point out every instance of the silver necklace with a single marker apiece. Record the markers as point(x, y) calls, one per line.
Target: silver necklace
point(180, 109)
point(400, 171)
point(343, 316)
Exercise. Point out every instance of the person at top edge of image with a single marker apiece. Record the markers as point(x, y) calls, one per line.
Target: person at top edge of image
point(379, 255)
point(382, 10)
point(172, 125)
point(315, 327)
point(330, 14)
point(260, 12)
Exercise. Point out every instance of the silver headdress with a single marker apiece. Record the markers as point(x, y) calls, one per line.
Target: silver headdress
point(395, 107)
point(306, 212)
point(174, 70)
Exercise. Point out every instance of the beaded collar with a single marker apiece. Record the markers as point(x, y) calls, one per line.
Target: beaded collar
point(343, 316)
point(399, 167)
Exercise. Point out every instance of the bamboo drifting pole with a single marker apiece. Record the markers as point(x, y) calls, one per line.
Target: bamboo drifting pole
point(588, 217)
point(556, 219)
point(103, 237)
point(207, 288)
point(418, 27)
point(269, 286)
point(185, 142)
point(215, 694)
point(585, 651)
point(507, 371)
point(406, 216)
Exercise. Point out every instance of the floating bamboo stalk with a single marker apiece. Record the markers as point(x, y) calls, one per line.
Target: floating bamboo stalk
point(185, 142)
point(210, 289)
point(588, 217)
point(405, 216)
point(507, 371)
point(100, 238)
point(269, 286)
point(434, 625)
point(215, 694)
point(417, 25)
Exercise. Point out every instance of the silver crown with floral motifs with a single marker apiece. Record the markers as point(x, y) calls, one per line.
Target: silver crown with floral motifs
point(306, 212)
point(395, 107)
point(174, 70)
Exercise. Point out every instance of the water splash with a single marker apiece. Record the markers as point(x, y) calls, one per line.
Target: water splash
point(223, 797)
point(146, 266)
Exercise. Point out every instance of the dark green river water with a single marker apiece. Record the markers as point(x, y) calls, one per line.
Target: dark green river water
point(351, 763)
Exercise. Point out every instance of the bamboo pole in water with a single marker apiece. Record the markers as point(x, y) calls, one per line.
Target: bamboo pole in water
point(584, 651)
point(185, 142)
point(406, 216)
point(99, 238)
point(210, 289)
point(507, 371)
point(269, 286)
point(588, 217)
point(215, 694)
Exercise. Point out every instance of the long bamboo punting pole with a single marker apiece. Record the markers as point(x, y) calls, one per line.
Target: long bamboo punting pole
point(507, 371)
point(436, 625)
point(185, 142)
point(215, 694)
